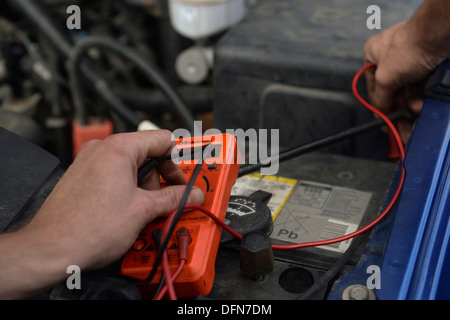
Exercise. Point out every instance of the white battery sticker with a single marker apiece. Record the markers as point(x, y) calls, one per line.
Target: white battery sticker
point(317, 211)
point(279, 187)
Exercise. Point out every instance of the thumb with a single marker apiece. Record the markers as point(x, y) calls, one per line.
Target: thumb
point(163, 201)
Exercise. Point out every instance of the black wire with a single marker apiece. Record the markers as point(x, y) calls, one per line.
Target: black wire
point(43, 23)
point(114, 102)
point(303, 149)
point(152, 163)
point(160, 286)
point(156, 235)
point(149, 166)
point(148, 69)
point(74, 66)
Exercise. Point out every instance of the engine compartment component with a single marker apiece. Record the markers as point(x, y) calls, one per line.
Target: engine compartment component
point(256, 255)
point(302, 273)
point(28, 174)
point(248, 214)
point(200, 19)
point(283, 65)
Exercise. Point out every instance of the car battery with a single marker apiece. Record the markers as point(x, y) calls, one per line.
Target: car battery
point(318, 196)
point(289, 64)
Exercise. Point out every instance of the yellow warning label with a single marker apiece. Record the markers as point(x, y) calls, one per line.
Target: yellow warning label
point(279, 187)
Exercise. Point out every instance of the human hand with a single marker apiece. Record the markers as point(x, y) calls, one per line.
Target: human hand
point(97, 210)
point(403, 66)
point(98, 207)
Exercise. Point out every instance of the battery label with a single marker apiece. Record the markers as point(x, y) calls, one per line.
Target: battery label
point(317, 211)
point(279, 187)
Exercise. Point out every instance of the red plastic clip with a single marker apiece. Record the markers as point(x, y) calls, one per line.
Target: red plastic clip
point(95, 129)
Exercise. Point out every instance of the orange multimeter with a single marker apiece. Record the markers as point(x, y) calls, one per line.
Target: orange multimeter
point(218, 173)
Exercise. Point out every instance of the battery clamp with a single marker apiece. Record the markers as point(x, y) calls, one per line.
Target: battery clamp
point(216, 178)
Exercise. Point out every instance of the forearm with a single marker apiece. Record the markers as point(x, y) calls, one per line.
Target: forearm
point(28, 265)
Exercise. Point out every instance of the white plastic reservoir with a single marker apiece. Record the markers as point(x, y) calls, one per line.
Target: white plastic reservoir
point(196, 19)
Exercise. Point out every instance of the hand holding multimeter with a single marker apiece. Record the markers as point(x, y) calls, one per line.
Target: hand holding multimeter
point(93, 214)
point(215, 178)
